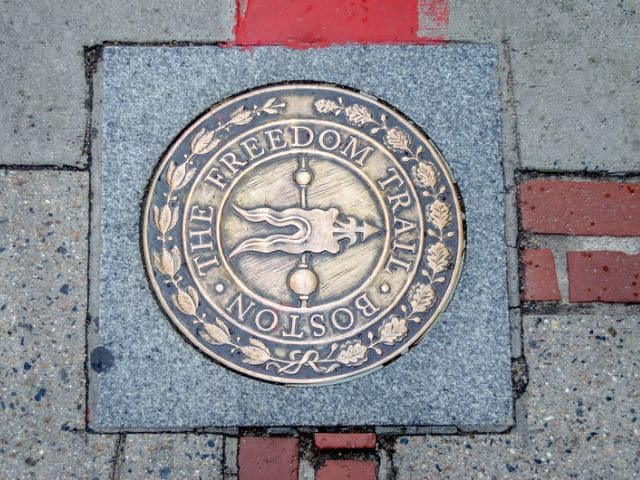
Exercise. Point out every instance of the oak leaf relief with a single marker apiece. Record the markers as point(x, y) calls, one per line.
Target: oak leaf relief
point(352, 354)
point(425, 175)
point(438, 257)
point(358, 115)
point(439, 214)
point(421, 297)
point(393, 331)
point(397, 140)
point(327, 106)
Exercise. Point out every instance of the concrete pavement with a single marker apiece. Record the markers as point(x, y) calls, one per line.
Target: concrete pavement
point(570, 80)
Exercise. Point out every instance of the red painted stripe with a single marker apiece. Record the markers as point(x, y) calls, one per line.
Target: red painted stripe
point(344, 441)
point(580, 208)
point(603, 277)
point(539, 281)
point(433, 18)
point(315, 23)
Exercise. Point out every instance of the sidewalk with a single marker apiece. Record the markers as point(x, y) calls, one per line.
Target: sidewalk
point(569, 87)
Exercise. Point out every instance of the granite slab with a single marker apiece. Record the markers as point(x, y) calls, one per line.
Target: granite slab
point(145, 377)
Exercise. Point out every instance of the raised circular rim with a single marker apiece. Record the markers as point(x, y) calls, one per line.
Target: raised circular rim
point(411, 342)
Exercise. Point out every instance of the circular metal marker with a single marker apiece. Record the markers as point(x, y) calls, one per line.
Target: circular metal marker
point(303, 233)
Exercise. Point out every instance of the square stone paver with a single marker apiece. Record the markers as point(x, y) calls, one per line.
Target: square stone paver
point(145, 376)
point(167, 456)
point(43, 115)
point(581, 403)
point(43, 253)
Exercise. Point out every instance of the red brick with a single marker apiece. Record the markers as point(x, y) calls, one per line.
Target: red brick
point(603, 277)
point(344, 441)
point(268, 458)
point(580, 208)
point(347, 470)
point(539, 281)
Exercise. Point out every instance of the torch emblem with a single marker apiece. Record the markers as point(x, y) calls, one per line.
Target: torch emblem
point(316, 230)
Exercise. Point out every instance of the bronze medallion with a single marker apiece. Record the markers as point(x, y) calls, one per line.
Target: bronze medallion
point(303, 233)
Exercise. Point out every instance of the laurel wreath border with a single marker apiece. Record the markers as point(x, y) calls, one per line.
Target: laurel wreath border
point(421, 296)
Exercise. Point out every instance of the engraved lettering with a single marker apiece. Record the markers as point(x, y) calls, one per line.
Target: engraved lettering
point(323, 139)
point(358, 156)
point(342, 318)
point(206, 265)
point(241, 312)
point(405, 226)
point(275, 139)
point(231, 161)
point(393, 261)
point(252, 148)
point(214, 177)
point(280, 233)
point(365, 305)
point(201, 239)
point(200, 215)
point(409, 247)
point(317, 324)
point(394, 177)
point(266, 320)
point(402, 199)
point(292, 328)
point(297, 141)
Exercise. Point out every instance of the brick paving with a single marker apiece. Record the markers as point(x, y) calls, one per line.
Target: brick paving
point(539, 280)
point(344, 441)
point(602, 210)
point(569, 101)
point(347, 470)
point(603, 277)
point(268, 458)
point(580, 208)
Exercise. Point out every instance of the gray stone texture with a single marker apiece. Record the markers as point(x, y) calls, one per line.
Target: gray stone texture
point(458, 375)
point(230, 457)
point(574, 67)
point(575, 77)
point(576, 84)
point(172, 456)
point(582, 405)
point(42, 100)
point(43, 253)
